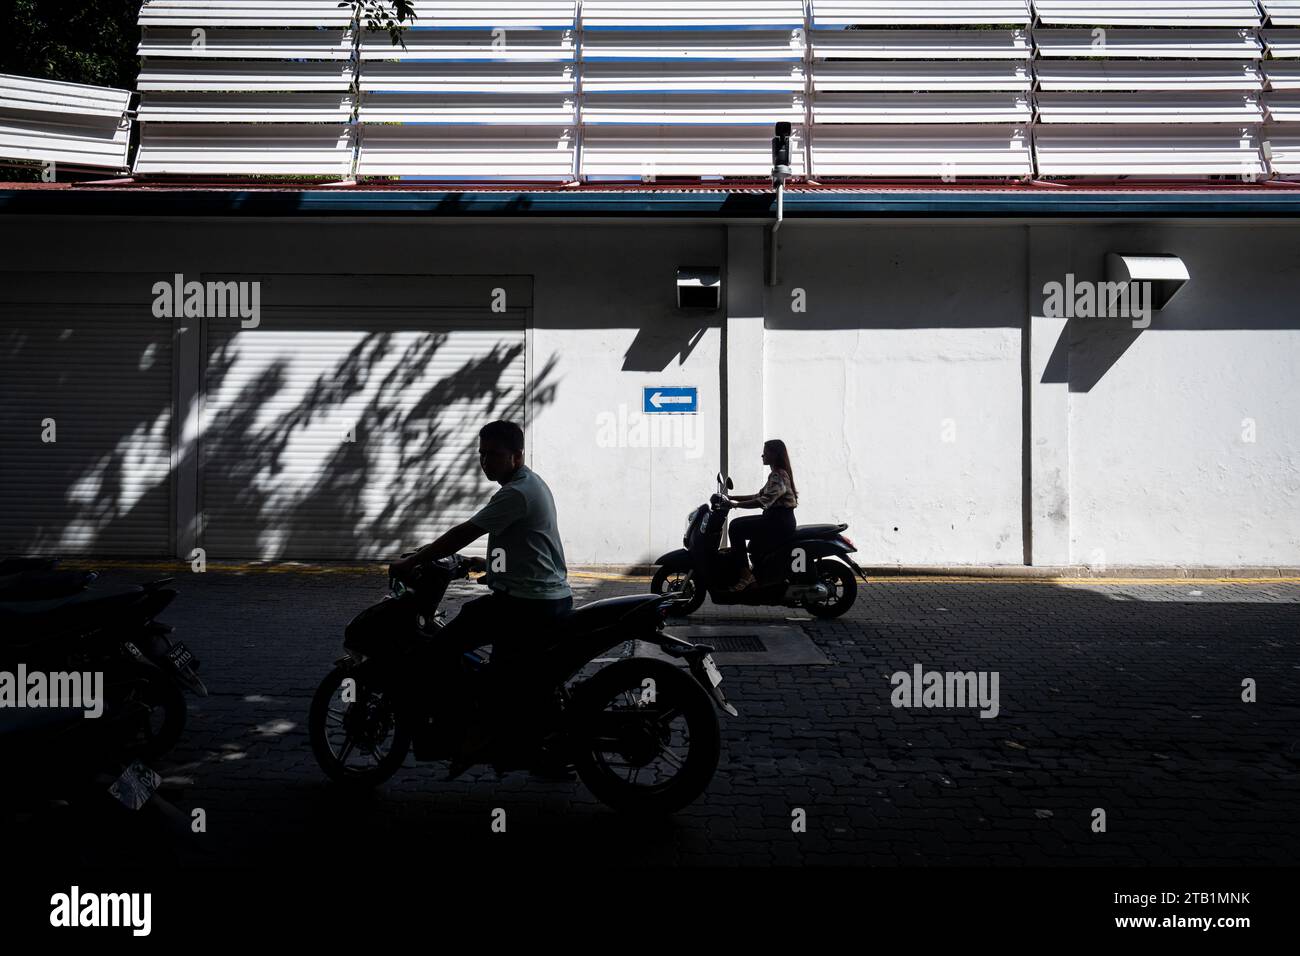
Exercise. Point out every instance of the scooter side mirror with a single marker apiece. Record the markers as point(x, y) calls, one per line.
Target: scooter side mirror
point(730, 486)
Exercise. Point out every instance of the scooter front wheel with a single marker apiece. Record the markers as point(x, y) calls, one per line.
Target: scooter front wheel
point(681, 584)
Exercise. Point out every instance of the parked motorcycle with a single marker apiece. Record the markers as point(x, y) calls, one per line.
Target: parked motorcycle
point(641, 732)
point(44, 584)
point(812, 570)
point(116, 633)
point(78, 792)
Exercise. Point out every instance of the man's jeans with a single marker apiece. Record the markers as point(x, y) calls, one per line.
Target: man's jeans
point(516, 628)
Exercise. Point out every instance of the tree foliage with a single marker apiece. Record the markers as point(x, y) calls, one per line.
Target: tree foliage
point(81, 41)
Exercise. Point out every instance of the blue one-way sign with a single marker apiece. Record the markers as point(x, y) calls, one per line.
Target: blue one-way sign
point(675, 398)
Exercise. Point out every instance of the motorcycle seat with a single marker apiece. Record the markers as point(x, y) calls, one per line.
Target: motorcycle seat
point(819, 530)
point(603, 613)
point(44, 585)
point(26, 619)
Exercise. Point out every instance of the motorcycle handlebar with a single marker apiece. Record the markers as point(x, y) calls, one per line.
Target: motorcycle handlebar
point(456, 566)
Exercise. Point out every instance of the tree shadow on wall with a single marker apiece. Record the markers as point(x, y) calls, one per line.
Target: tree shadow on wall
point(367, 460)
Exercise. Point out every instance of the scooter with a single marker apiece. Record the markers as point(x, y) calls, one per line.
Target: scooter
point(641, 732)
point(813, 570)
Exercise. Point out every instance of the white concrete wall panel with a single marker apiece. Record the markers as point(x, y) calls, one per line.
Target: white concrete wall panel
point(898, 390)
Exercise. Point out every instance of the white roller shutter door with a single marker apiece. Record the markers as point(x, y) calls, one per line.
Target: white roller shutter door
point(410, 385)
point(103, 374)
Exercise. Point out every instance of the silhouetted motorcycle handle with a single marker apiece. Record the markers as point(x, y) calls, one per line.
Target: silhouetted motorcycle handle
point(813, 570)
point(642, 732)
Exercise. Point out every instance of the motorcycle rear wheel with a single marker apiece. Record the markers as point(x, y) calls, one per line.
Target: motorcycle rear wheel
point(623, 725)
point(149, 704)
point(366, 724)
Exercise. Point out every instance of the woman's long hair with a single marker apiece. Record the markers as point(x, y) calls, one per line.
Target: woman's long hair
point(780, 458)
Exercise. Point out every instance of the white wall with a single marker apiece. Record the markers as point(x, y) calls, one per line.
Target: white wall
point(898, 391)
point(604, 320)
point(1159, 468)
point(913, 333)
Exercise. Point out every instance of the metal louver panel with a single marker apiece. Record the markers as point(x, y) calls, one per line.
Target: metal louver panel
point(1282, 43)
point(1283, 76)
point(491, 14)
point(1147, 44)
point(247, 44)
point(69, 123)
point(922, 44)
point(930, 151)
point(923, 108)
point(71, 143)
point(666, 14)
point(664, 45)
point(1178, 13)
point(467, 152)
point(1171, 151)
point(711, 77)
point(929, 12)
point(251, 150)
point(448, 45)
point(650, 151)
point(30, 95)
point(103, 374)
point(703, 109)
point(245, 13)
point(246, 108)
point(1283, 107)
point(410, 388)
point(1144, 108)
point(1283, 13)
point(941, 75)
point(1148, 75)
point(493, 78)
point(1284, 151)
point(553, 109)
point(218, 76)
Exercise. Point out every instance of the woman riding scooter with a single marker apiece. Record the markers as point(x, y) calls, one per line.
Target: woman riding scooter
point(778, 498)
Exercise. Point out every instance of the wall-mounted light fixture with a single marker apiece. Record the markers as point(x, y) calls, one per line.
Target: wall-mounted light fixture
point(1165, 274)
point(699, 287)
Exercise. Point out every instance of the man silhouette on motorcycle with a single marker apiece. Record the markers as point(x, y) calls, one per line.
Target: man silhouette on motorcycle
point(526, 575)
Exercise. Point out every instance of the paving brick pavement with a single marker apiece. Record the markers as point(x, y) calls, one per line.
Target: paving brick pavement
point(1121, 697)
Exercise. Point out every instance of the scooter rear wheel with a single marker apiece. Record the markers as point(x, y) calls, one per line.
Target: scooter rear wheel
point(843, 586)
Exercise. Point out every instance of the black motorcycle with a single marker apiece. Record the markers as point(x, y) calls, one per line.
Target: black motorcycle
point(115, 633)
point(641, 732)
point(813, 569)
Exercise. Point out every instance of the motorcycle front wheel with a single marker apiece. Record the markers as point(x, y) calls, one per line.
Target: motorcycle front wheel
point(355, 733)
point(646, 737)
point(679, 583)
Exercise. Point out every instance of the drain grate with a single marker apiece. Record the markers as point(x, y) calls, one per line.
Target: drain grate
point(736, 644)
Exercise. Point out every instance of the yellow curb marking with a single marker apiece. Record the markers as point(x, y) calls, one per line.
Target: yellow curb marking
point(183, 567)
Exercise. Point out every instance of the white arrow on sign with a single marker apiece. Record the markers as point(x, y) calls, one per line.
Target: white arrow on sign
point(659, 399)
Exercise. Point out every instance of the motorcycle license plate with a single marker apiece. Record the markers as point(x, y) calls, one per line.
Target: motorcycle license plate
point(710, 668)
point(179, 656)
point(136, 785)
